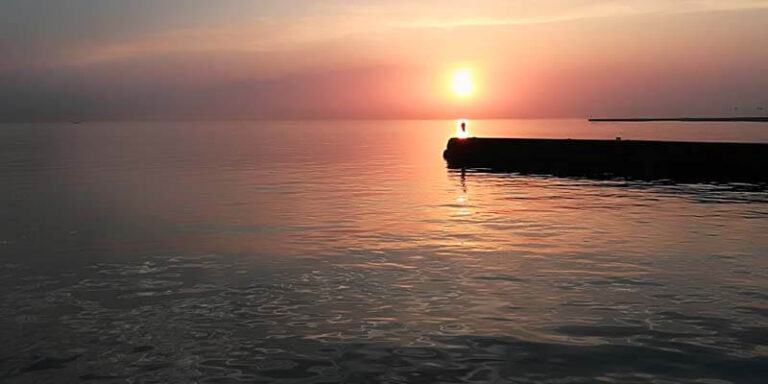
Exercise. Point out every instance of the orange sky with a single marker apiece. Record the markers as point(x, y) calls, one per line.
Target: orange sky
point(87, 59)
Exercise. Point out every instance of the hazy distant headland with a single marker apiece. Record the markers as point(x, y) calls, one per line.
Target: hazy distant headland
point(752, 119)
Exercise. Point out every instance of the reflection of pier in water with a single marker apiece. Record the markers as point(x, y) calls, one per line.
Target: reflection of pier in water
point(486, 181)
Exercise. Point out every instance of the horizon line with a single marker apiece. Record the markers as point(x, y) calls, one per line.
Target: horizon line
point(590, 119)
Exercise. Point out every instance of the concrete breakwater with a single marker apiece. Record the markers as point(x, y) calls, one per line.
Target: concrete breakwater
point(640, 159)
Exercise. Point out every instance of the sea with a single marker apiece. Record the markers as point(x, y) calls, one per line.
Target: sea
point(347, 252)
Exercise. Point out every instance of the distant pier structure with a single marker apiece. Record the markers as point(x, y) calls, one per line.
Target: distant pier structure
point(744, 119)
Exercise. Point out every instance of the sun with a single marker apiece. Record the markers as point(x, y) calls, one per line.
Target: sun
point(462, 82)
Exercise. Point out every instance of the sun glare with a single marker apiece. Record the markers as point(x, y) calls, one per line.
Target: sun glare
point(462, 83)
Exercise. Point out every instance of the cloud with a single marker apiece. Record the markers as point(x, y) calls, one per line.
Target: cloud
point(577, 10)
point(374, 21)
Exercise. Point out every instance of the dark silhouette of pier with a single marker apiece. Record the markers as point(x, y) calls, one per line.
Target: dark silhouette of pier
point(635, 159)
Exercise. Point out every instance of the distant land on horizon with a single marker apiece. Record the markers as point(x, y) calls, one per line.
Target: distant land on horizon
point(753, 119)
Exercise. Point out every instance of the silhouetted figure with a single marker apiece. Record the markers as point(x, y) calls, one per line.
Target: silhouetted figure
point(464, 126)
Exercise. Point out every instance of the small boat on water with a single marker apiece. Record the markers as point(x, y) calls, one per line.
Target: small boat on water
point(634, 159)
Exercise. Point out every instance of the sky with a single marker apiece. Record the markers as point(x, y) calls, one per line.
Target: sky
point(300, 59)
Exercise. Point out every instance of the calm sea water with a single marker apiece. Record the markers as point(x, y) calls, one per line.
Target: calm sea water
point(318, 252)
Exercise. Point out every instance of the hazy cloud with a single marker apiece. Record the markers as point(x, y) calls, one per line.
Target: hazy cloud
point(258, 59)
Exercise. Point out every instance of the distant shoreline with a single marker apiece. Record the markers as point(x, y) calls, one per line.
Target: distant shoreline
point(752, 119)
